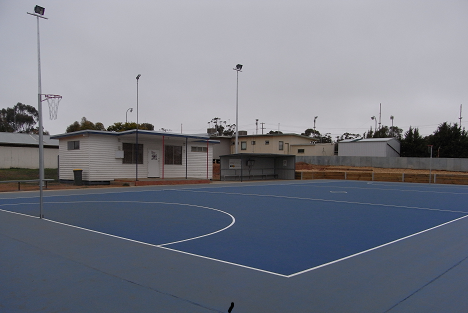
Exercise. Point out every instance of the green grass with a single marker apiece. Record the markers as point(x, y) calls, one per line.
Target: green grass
point(26, 173)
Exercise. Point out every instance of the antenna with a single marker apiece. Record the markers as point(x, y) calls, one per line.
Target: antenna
point(461, 105)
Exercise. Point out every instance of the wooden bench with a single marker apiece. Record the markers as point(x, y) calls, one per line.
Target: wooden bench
point(25, 181)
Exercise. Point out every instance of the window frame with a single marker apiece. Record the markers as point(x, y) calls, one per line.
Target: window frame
point(73, 145)
point(199, 149)
point(130, 156)
point(173, 155)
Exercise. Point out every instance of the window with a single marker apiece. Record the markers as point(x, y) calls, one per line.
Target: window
point(243, 145)
point(199, 149)
point(252, 142)
point(173, 155)
point(267, 142)
point(73, 145)
point(300, 150)
point(281, 145)
point(130, 153)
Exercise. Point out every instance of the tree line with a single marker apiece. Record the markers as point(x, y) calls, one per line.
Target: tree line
point(85, 124)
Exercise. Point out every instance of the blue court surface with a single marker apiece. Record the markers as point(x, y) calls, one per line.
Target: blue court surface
point(280, 230)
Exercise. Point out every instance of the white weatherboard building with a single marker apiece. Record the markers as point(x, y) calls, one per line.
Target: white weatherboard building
point(369, 147)
point(22, 151)
point(105, 156)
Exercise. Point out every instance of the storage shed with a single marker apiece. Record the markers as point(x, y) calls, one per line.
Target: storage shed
point(105, 156)
point(22, 150)
point(369, 147)
point(256, 166)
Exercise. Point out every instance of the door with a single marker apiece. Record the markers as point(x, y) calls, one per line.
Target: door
point(153, 163)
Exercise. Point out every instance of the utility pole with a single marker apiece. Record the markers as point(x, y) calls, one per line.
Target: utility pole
point(380, 116)
point(256, 126)
point(262, 127)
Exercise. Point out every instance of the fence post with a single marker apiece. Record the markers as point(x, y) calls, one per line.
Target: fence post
point(403, 177)
point(345, 176)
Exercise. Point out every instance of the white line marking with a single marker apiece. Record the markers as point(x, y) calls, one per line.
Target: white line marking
point(233, 220)
point(248, 267)
point(333, 201)
point(375, 248)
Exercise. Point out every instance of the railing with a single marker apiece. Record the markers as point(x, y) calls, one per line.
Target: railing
point(25, 181)
point(458, 179)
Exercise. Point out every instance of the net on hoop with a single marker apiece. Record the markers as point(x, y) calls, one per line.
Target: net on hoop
point(53, 101)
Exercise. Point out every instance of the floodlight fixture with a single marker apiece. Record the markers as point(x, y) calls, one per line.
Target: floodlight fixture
point(138, 76)
point(238, 67)
point(39, 10)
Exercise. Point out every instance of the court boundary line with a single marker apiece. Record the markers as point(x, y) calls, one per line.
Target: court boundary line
point(162, 246)
point(377, 247)
point(241, 265)
point(146, 243)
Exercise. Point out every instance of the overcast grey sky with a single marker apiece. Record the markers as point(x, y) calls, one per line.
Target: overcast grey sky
point(333, 59)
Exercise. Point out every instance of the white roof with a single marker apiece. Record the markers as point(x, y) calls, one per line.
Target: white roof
point(25, 139)
point(366, 140)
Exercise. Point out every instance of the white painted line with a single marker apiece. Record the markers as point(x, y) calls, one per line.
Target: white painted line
point(375, 248)
point(226, 262)
point(334, 201)
point(19, 213)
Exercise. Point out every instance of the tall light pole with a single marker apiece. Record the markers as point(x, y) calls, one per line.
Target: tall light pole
point(137, 152)
point(38, 13)
point(374, 118)
point(315, 118)
point(131, 110)
point(237, 69)
point(392, 117)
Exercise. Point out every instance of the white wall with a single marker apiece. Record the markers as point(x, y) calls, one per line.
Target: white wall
point(97, 158)
point(369, 148)
point(27, 157)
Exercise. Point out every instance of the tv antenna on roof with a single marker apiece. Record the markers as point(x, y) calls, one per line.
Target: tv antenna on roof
point(461, 105)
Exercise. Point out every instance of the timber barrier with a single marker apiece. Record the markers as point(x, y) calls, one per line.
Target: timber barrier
point(435, 178)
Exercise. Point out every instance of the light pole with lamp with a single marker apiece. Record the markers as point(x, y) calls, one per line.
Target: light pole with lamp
point(131, 110)
point(137, 152)
point(38, 13)
point(237, 69)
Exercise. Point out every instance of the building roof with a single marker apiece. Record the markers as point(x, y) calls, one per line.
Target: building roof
point(202, 138)
point(257, 155)
point(21, 139)
point(367, 140)
point(278, 135)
